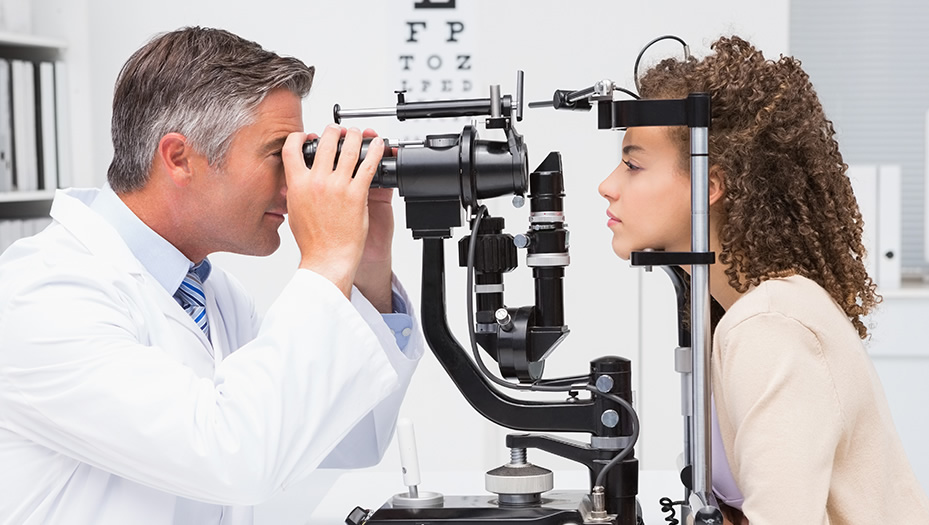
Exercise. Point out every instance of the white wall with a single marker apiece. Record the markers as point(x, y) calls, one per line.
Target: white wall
point(558, 45)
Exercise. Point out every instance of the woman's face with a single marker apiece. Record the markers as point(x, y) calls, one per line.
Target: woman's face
point(648, 195)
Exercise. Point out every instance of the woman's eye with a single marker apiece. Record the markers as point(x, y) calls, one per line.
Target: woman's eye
point(631, 166)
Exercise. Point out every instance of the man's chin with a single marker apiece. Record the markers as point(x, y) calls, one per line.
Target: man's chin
point(264, 247)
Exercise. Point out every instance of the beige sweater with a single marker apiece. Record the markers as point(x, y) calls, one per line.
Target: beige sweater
point(803, 417)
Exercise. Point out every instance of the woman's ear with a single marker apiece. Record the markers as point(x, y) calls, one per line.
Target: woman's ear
point(717, 184)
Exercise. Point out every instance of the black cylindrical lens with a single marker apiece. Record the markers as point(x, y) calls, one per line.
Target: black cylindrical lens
point(386, 175)
point(445, 167)
point(497, 169)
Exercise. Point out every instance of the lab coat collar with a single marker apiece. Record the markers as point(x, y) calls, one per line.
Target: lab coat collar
point(161, 258)
point(71, 208)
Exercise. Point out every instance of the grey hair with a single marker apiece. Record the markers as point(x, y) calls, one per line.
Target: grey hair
point(202, 83)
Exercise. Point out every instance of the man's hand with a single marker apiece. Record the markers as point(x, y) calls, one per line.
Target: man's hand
point(373, 278)
point(328, 208)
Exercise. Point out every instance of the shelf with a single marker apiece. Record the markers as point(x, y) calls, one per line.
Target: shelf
point(34, 49)
point(16, 196)
point(30, 47)
point(19, 39)
point(25, 205)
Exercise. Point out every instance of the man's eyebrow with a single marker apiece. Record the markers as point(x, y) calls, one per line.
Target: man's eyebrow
point(274, 145)
point(632, 148)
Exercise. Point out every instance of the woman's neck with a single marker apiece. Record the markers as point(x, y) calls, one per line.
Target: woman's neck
point(720, 288)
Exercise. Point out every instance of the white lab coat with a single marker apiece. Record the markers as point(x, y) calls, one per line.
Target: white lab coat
point(115, 409)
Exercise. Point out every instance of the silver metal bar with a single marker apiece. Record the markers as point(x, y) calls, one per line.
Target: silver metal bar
point(700, 315)
point(574, 96)
point(495, 101)
point(687, 390)
point(362, 113)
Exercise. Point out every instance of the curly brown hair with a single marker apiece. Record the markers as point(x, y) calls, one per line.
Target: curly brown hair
point(788, 207)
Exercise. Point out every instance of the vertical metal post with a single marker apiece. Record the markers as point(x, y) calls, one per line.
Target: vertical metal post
point(687, 390)
point(700, 315)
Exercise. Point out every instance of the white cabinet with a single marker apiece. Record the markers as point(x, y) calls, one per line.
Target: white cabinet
point(900, 351)
point(33, 110)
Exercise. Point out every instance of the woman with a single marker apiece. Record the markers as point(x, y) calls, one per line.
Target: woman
point(804, 426)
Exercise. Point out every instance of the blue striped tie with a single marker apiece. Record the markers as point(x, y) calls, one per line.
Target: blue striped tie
point(192, 299)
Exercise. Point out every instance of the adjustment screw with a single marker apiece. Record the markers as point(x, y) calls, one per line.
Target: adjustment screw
point(609, 418)
point(503, 319)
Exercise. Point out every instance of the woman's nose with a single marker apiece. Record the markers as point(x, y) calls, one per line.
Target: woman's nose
point(607, 188)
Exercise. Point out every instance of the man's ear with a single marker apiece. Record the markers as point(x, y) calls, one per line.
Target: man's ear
point(717, 184)
point(176, 156)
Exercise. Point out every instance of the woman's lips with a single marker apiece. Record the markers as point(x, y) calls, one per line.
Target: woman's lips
point(612, 220)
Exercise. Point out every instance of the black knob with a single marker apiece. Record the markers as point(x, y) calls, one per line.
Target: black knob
point(357, 516)
point(492, 253)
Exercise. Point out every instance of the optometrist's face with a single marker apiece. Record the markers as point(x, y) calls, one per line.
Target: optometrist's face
point(648, 195)
point(246, 196)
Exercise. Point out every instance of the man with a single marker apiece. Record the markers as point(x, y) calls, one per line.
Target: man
point(136, 383)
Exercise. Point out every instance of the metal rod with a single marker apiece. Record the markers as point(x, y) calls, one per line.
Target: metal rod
point(362, 113)
point(541, 104)
point(700, 314)
point(495, 101)
point(581, 93)
point(687, 410)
